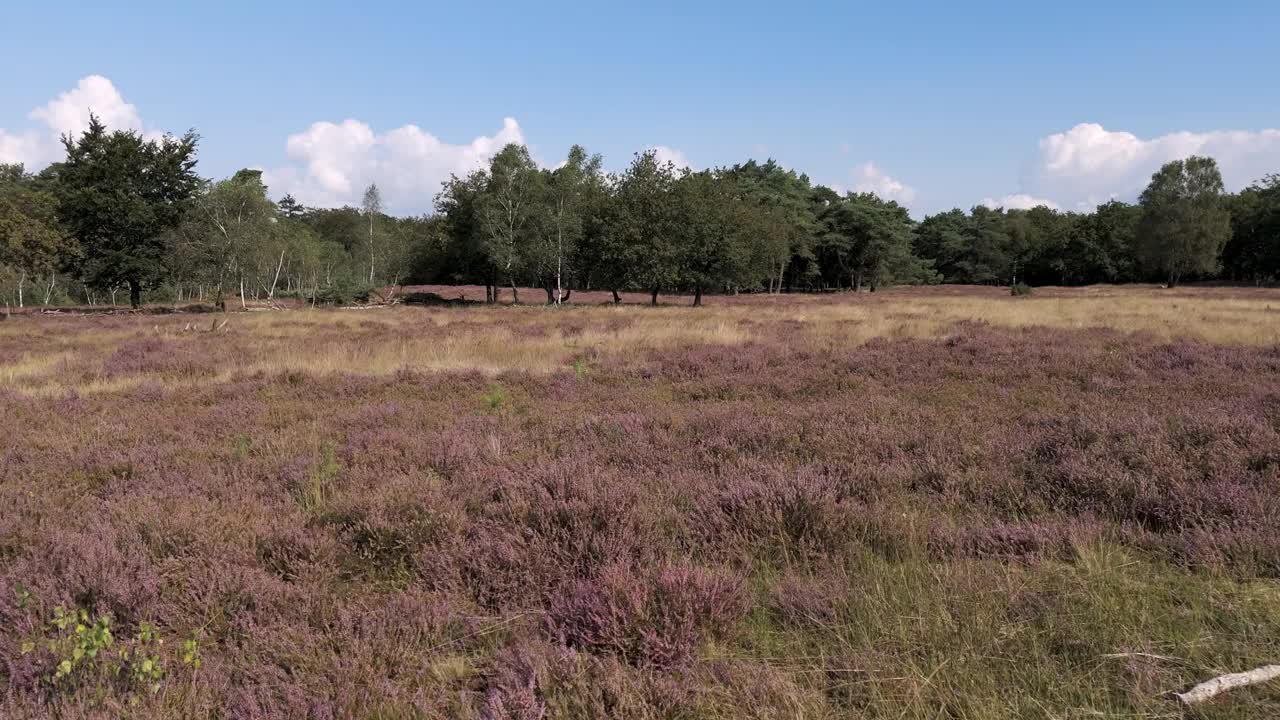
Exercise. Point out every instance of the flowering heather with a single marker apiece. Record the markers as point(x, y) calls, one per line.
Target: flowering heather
point(910, 504)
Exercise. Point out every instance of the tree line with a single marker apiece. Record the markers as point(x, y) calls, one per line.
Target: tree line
point(123, 216)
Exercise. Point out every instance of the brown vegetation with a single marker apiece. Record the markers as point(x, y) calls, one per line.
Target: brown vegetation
point(922, 503)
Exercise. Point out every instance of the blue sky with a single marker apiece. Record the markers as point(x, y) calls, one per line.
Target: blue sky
point(1068, 103)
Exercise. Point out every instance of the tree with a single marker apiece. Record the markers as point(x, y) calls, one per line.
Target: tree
point(713, 227)
point(869, 240)
point(290, 208)
point(510, 210)
point(642, 225)
point(118, 195)
point(943, 239)
point(464, 255)
point(371, 205)
point(1101, 245)
point(788, 197)
point(572, 192)
point(1253, 253)
point(234, 220)
point(31, 242)
point(1185, 222)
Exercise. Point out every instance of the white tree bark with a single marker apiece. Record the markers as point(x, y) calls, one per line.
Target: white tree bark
point(1211, 688)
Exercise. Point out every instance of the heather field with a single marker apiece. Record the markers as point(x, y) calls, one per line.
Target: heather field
point(919, 503)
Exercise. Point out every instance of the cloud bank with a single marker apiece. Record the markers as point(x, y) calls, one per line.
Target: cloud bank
point(869, 178)
point(1088, 164)
point(332, 163)
point(1018, 201)
point(68, 114)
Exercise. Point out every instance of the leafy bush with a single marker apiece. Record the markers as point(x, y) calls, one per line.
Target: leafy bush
point(342, 293)
point(1021, 289)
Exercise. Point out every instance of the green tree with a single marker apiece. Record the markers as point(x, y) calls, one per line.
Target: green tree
point(463, 256)
point(643, 233)
point(118, 196)
point(1253, 253)
point(371, 205)
point(943, 239)
point(290, 208)
point(1100, 247)
point(235, 222)
point(869, 240)
point(1185, 221)
point(573, 191)
point(511, 211)
point(32, 244)
point(788, 197)
point(714, 228)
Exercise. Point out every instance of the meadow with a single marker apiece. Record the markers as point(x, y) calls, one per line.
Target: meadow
point(935, 502)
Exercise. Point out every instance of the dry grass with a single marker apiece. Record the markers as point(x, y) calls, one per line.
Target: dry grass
point(48, 356)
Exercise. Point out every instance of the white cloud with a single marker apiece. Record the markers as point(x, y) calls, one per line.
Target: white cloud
point(68, 114)
point(1089, 164)
point(335, 162)
point(1018, 201)
point(662, 154)
point(869, 178)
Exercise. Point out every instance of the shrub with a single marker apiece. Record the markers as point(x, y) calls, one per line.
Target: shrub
point(654, 620)
point(1021, 289)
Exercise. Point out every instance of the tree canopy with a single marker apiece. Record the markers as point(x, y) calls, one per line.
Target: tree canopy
point(124, 212)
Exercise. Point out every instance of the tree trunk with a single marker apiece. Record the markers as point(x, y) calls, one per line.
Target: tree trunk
point(653, 300)
point(243, 305)
point(553, 296)
point(371, 247)
point(271, 293)
point(857, 281)
point(135, 294)
point(515, 294)
point(567, 293)
point(559, 260)
point(617, 299)
point(22, 280)
point(697, 296)
point(48, 293)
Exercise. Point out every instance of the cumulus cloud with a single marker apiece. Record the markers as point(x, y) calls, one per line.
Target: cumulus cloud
point(662, 154)
point(869, 178)
point(332, 163)
point(1088, 164)
point(68, 114)
point(1018, 201)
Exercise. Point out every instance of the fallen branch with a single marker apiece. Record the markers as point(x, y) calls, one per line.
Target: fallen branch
point(1148, 656)
point(1211, 688)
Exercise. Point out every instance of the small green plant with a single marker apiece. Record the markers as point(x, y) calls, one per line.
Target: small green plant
point(320, 482)
point(23, 595)
point(495, 398)
point(76, 641)
point(191, 652)
point(241, 444)
point(580, 369)
point(84, 652)
point(142, 663)
point(1020, 289)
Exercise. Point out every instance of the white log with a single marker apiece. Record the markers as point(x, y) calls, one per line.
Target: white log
point(1211, 688)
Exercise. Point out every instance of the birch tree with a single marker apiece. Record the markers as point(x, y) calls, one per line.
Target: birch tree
point(371, 205)
point(509, 211)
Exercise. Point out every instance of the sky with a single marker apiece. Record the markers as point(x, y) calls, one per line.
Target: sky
point(935, 105)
